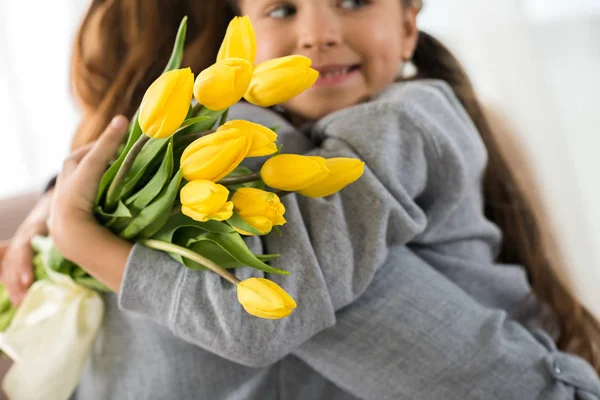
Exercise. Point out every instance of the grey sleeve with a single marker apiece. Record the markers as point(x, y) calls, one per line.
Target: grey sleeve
point(414, 334)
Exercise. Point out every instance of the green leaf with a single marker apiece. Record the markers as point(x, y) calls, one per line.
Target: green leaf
point(6, 318)
point(153, 212)
point(135, 131)
point(213, 252)
point(181, 221)
point(213, 117)
point(190, 112)
point(92, 283)
point(149, 192)
point(5, 303)
point(133, 135)
point(233, 244)
point(177, 54)
point(275, 128)
point(50, 255)
point(141, 164)
point(238, 222)
point(192, 121)
point(267, 257)
point(155, 226)
point(120, 212)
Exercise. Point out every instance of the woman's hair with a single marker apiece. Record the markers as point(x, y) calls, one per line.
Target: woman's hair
point(123, 45)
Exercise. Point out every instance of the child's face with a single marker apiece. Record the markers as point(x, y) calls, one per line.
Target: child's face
point(356, 45)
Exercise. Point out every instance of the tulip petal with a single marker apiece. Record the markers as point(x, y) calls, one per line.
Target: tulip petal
point(223, 84)
point(263, 138)
point(292, 172)
point(166, 103)
point(239, 41)
point(342, 172)
point(279, 80)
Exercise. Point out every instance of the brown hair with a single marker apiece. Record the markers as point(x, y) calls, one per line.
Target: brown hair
point(122, 46)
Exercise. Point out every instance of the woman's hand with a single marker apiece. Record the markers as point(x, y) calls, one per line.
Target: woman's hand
point(75, 231)
point(16, 255)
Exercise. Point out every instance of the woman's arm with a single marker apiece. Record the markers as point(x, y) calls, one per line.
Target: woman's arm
point(16, 255)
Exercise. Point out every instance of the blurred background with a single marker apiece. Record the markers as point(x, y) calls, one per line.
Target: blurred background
point(534, 62)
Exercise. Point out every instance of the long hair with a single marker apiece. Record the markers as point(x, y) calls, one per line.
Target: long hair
point(510, 207)
point(123, 45)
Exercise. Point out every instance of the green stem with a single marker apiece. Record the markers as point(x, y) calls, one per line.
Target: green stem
point(282, 193)
point(224, 117)
point(186, 140)
point(240, 179)
point(175, 210)
point(196, 110)
point(112, 195)
point(189, 254)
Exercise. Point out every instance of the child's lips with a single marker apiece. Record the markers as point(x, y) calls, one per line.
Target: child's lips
point(335, 74)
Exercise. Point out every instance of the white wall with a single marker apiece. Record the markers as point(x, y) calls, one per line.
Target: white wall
point(538, 63)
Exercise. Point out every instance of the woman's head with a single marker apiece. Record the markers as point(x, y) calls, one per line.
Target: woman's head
point(356, 45)
point(123, 45)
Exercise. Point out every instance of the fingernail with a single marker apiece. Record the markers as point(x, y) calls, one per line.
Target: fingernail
point(25, 279)
point(119, 122)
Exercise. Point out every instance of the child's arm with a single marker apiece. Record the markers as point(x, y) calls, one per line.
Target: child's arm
point(416, 178)
point(415, 335)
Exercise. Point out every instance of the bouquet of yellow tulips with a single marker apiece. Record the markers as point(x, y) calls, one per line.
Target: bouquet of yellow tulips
point(177, 186)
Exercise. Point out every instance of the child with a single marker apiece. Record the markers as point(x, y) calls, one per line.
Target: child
point(403, 283)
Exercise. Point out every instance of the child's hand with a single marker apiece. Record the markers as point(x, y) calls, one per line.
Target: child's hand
point(75, 231)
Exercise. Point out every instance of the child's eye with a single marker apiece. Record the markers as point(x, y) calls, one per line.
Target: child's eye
point(351, 4)
point(283, 11)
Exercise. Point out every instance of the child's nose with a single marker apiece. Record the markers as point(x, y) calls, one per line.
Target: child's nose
point(319, 31)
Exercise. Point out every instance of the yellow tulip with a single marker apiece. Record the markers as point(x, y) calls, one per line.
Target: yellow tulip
point(205, 200)
point(239, 41)
point(214, 156)
point(263, 138)
point(279, 80)
point(264, 298)
point(166, 103)
point(342, 172)
point(261, 209)
point(223, 84)
point(292, 172)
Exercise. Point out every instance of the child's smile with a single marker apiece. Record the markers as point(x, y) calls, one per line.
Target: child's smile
point(356, 45)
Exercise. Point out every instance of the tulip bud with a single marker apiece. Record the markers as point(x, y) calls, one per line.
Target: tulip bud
point(292, 172)
point(259, 208)
point(214, 156)
point(223, 84)
point(279, 80)
point(342, 172)
point(239, 41)
point(166, 103)
point(263, 138)
point(264, 298)
point(206, 200)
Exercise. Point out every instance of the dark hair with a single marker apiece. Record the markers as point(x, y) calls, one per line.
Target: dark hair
point(122, 46)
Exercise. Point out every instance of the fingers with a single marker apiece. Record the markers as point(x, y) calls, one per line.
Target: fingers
point(17, 269)
point(94, 162)
point(71, 162)
point(3, 247)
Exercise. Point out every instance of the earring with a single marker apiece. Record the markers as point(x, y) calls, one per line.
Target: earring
point(407, 69)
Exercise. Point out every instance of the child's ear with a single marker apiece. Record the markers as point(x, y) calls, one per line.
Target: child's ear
point(411, 31)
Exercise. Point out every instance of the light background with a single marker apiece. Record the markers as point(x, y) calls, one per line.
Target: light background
point(536, 61)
